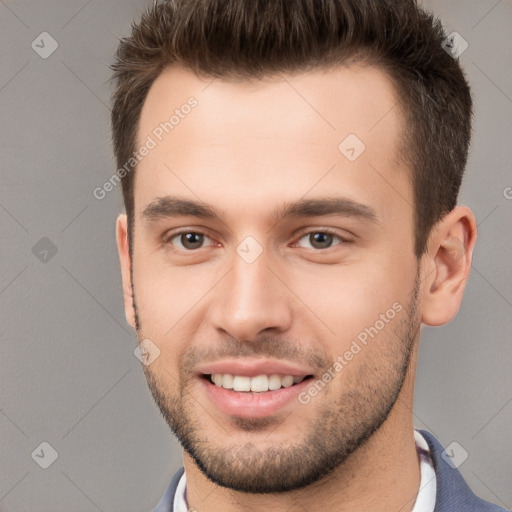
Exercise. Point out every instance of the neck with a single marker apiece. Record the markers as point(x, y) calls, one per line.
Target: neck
point(382, 474)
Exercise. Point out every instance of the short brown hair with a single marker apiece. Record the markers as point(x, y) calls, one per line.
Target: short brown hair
point(244, 39)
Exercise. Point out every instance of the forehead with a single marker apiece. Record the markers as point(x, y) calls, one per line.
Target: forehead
point(271, 139)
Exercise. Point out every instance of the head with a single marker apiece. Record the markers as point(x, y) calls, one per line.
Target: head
point(300, 207)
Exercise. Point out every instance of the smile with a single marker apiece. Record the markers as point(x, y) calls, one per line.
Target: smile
point(253, 397)
point(259, 384)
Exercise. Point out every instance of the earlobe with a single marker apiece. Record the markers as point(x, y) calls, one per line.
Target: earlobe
point(124, 258)
point(449, 256)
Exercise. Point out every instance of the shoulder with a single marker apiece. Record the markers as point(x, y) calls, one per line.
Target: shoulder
point(167, 501)
point(453, 493)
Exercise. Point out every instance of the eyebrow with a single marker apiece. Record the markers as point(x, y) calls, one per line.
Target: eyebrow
point(172, 206)
point(326, 206)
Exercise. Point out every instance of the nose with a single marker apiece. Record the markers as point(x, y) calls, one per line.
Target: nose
point(250, 300)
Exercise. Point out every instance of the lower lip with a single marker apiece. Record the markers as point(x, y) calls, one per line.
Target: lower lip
point(249, 404)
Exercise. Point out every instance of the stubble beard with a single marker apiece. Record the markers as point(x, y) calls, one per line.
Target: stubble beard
point(339, 426)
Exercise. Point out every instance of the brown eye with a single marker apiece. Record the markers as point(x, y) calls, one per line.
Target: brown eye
point(189, 240)
point(319, 240)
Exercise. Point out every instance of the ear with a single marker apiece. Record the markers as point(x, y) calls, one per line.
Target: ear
point(124, 257)
point(447, 265)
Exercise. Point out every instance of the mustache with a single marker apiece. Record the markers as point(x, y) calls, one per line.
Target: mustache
point(271, 347)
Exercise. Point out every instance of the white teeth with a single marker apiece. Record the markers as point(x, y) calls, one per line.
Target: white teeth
point(287, 381)
point(240, 383)
point(227, 381)
point(274, 382)
point(258, 384)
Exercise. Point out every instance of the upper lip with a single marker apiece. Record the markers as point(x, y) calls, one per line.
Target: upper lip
point(252, 368)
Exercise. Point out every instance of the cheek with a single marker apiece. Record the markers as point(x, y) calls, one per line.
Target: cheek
point(168, 296)
point(349, 299)
point(166, 303)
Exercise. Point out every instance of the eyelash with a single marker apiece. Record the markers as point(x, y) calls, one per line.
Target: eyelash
point(326, 231)
point(301, 235)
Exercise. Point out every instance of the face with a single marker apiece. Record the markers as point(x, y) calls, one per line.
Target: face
point(274, 255)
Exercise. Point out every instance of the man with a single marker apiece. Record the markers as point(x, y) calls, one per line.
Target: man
point(290, 173)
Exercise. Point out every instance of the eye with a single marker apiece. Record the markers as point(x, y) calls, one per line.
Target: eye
point(319, 240)
point(188, 240)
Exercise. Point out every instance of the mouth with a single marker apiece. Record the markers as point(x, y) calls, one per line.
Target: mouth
point(257, 396)
point(259, 384)
point(253, 388)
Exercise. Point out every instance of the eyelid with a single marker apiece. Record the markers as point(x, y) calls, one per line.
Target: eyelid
point(329, 231)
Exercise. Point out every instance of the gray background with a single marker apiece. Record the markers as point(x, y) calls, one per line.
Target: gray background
point(68, 373)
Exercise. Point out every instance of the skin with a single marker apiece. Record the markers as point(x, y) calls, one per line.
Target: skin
point(245, 150)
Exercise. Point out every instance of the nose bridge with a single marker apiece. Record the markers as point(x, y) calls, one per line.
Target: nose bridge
point(250, 299)
point(248, 282)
